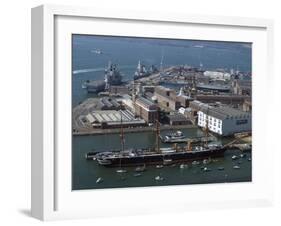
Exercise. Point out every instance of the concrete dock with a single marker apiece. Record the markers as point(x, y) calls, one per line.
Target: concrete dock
point(129, 130)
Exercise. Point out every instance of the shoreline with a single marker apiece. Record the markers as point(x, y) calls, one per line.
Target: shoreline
point(130, 130)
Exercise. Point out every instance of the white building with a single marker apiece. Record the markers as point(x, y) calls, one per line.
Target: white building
point(224, 120)
point(182, 110)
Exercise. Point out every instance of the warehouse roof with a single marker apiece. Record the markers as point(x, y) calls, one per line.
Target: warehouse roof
point(146, 103)
point(224, 112)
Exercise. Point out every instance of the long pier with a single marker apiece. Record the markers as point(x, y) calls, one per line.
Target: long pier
point(130, 130)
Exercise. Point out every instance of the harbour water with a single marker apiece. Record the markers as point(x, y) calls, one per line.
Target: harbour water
point(89, 65)
point(86, 172)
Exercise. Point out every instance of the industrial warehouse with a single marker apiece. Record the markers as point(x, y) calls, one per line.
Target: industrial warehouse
point(224, 120)
point(225, 114)
point(113, 119)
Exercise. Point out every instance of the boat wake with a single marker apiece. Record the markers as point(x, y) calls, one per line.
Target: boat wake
point(83, 71)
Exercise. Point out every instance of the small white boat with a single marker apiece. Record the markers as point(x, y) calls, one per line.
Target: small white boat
point(159, 166)
point(183, 166)
point(249, 159)
point(140, 168)
point(99, 180)
point(221, 168)
point(174, 137)
point(121, 171)
point(236, 167)
point(206, 161)
point(96, 51)
point(198, 46)
point(167, 161)
point(195, 163)
point(234, 157)
point(159, 178)
point(137, 174)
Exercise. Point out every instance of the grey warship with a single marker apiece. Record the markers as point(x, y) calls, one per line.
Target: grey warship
point(142, 72)
point(112, 76)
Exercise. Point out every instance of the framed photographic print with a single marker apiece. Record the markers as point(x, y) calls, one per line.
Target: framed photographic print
point(135, 112)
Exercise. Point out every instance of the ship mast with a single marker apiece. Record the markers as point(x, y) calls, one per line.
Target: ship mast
point(120, 170)
point(207, 126)
point(157, 136)
point(122, 132)
point(134, 98)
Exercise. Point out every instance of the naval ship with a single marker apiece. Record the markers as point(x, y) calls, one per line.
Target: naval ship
point(156, 155)
point(141, 71)
point(112, 76)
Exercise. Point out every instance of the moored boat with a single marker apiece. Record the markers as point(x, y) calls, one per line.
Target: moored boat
point(149, 157)
point(173, 137)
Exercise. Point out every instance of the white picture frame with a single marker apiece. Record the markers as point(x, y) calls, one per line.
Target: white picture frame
point(52, 197)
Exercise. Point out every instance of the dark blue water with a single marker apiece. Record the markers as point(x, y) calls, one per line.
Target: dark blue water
point(126, 52)
point(86, 172)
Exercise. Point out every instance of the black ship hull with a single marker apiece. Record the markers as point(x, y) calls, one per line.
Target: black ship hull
point(151, 159)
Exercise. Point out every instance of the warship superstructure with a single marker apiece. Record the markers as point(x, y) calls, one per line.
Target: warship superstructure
point(112, 76)
point(142, 72)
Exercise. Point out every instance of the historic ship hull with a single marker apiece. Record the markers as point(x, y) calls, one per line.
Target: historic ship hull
point(135, 157)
